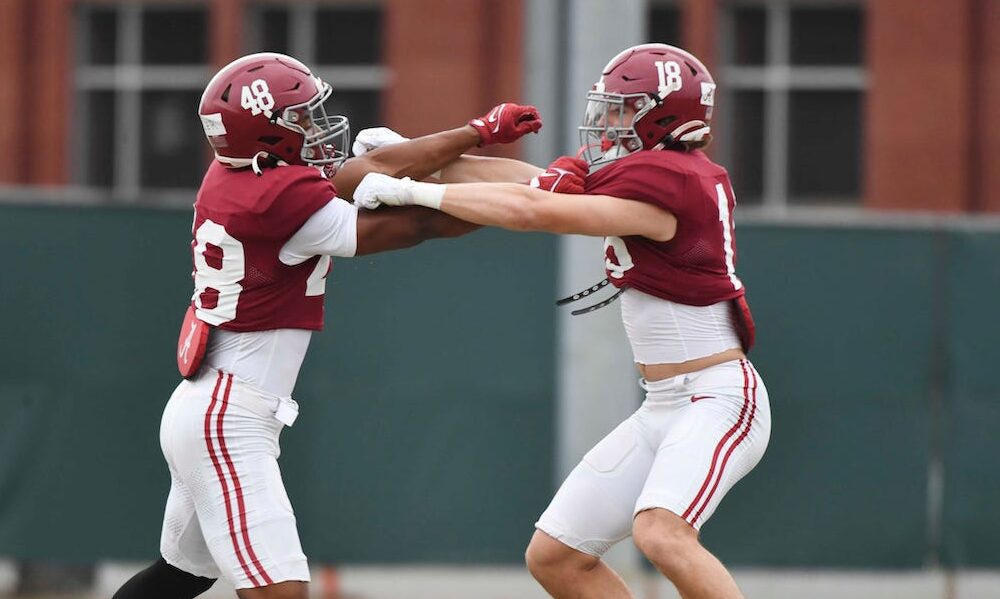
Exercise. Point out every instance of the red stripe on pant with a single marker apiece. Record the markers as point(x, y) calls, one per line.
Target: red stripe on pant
point(743, 435)
point(718, 448)
point(222, 481)
point(236, 484)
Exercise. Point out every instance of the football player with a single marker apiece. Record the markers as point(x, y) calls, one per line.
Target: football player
point(666, 212)
point(268, 218)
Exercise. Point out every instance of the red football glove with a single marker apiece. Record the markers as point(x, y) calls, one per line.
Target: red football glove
point(565, 175)
point(506, 123)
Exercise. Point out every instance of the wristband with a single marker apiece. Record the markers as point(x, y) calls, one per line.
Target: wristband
point(427, 194)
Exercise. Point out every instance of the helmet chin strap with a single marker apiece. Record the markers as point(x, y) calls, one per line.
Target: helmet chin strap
point(586, 292)
point(255, 164)
point(268, 161)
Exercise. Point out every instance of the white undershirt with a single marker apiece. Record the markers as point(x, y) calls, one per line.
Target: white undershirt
point(270, 360)
point(330, 231)
point(665, 332)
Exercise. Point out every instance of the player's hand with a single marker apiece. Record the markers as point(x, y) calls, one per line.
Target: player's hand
point(377, 189)
point(374, 138)
point(507, 122)
point(565, 175)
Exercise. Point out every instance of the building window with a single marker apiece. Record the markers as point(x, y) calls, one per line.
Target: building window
point(143, 66)
point(793, 82)
point(139, 80)
point(663, 23)
point(341, 41)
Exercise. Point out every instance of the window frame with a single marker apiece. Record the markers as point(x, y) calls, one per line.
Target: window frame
point(302, 42)
point(302, 35)
point(777, 79)
point(127, 78)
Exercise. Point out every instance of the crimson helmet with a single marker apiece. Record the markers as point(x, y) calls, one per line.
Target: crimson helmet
point(670, 91)
point(270, 105)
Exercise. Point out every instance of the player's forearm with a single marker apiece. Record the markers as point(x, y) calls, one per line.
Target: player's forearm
point(507, 205)
point(416, 158)
point(470, 169)
point(423, 156)
point(391, 228)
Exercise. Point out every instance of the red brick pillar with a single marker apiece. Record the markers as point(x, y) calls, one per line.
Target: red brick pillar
point(450, 60)
point(49, 69)
point(918, 118)
point(987, 135)
point(225, 31)
point(13, 97)
point(699, 28)
point(699, 23)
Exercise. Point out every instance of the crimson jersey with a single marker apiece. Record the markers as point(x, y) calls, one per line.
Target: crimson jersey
point(241, 222)
point(697, 266)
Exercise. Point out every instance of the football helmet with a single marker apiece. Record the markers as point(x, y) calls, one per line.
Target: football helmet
point(269, 105)
point(649, 96)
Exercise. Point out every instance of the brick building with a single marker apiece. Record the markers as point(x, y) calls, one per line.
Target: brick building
point(878, 103)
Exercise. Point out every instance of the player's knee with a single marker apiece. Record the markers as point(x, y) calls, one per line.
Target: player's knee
point(665, 539)
point(538, 560)
point(666, 553)
point(547, 557)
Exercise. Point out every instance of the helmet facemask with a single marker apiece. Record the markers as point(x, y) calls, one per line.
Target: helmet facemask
point(607, 132)
point(325, 137)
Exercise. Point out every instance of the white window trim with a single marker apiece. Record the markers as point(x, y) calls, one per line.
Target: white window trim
point(302, 42)
point(128, 78)
point(777, 79)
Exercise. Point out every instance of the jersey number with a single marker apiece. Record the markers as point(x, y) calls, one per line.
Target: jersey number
point(619, 251)
point(220, 265)
point(623, 260)
point(727, 235)
point(316, 283)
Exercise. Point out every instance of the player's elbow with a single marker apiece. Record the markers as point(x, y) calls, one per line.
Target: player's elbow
point(663, 228)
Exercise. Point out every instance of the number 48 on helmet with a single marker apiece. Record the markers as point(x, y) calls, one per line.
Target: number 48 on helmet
point(269, 108)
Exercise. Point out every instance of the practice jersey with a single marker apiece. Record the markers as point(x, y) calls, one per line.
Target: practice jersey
point(241, 223)
point(698, 266)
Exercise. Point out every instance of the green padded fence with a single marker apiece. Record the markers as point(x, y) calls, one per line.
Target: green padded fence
point(844, 347)
point(427, 421)
point(971, 410)
point(426, 405)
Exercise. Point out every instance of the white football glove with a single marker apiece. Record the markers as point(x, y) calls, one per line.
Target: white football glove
point(376, 189)
point(374, 138)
